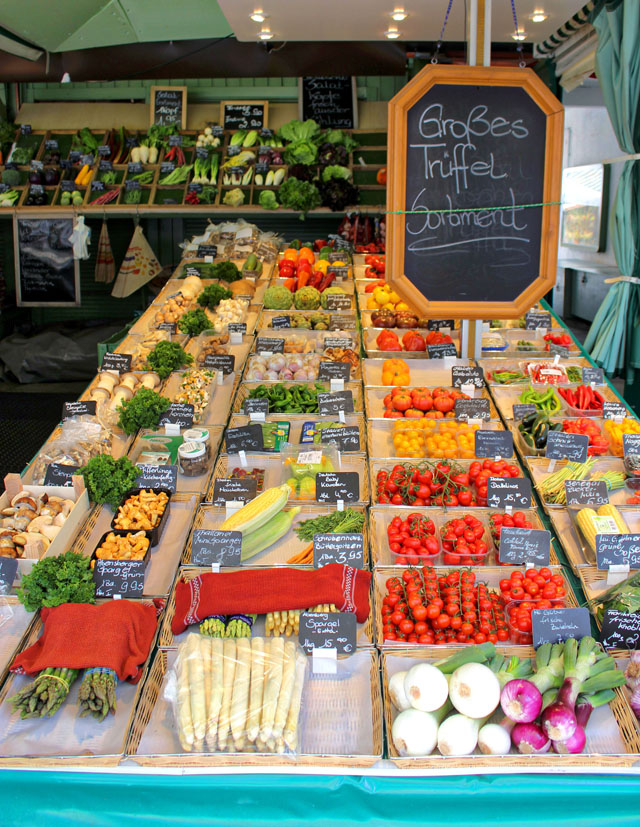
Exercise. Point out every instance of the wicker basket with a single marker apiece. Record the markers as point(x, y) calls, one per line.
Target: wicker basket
point(153, 686)
point(622, 714)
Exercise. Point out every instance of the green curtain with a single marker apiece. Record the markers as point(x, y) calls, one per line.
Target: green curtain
point(614, 337)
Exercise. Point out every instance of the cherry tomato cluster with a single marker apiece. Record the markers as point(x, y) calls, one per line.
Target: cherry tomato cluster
point(463, 542)
point(522, 593)
point(562, 339)
point(413, 539)
point(423, 607)
point(440, 483)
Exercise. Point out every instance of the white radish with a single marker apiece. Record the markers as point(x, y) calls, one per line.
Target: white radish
point(414, 732)
point(494, 739)
point(474, 690)
point(425, 687)
point(458, 735)
point(397, 693)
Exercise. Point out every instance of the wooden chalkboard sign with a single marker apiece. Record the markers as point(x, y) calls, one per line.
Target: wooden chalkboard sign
point(244, 114)
point(47, 275)
point(332, 102)
point(168, 106)
point(473, 139)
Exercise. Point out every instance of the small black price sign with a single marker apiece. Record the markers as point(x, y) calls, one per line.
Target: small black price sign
point(472, 409)
point(586, 492)
point(559, 350)
point(618, 550)
point(58, 474)
point(340, 273)
point(338, 255)
point(467, 375)
point(281, 321)
point(85, 160)
point(265, 344)
point(105, 166)
point(222, 548)
point(441, 324)
point(592, 375)
point(620, 630)
point(178, 413)
point(337, 485)
point(328, 630)
point(441, 351)
point(338, 301)
point(527, 546)
point(508, 492)
point(338, 341)
point(346, 549)
point(68, 186)
point(202, 152)
point(230, 489)
point(158, 476)
point(347, 438)
point(120, 362)
point(132, 185)
point(346, 322)
point(75, 156)
point(38, 166)
point(614, 410)
point(135, 168)
point(334, 370)
point(172, 327)
point(4, 188)
point(175, 140)
point(104, 151)
point(65, 163)
point(558, 625)
point(234, 150)
point(97, 186)
point(332, 403)
point(25, 129)
point(522, 411)
point(70, 409)
point(237, 327)
point(123, 577)
point(631, 444)
point(561, 445)
point(255, 406)
point(195, 187)
point(205, 250)
point(494, 444)
point(51, 145)
point(166, 167)
point(8, 571)
point(244, 438)
point(131, 141)
point(537, 318)
point(221, 361)
point(36, 189)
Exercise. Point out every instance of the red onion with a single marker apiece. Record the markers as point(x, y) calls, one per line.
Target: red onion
point(521, 700)
point(558, 721)
point(529, 739)
point(573, 745)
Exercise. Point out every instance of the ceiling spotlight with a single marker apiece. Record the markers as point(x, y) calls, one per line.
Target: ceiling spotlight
point(258, 16)
point(538, 16)
point(265, 34)
point(519, 35)
point(398, 14)
point(392, 33)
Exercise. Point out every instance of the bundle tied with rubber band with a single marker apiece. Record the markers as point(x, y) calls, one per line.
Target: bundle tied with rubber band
point(237, 695)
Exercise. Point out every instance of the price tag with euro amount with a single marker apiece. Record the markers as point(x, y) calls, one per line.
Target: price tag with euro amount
point(524, 546)
point(617, 550)
point(558, 625)
point(328, 630)
point(346, 549)
point(561, 445)
point(620, 630)
point(508, 492)
point(221, 548)
point(492, 444)
point(586, 492)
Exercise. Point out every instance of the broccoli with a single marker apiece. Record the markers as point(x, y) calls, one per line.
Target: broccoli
point(307, 298)
point(277, 297)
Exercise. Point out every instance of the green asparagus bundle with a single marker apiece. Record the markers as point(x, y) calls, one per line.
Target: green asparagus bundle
point(45, 695)
point(97, 694)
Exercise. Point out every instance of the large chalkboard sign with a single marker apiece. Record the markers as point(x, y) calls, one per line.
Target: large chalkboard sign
point(469, 146)
point(47, 275)
point(169, 105)
point(244, 114)
point(332, 102)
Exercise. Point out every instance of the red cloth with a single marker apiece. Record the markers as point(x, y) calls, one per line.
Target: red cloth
point(117, 635)
point(259, 591)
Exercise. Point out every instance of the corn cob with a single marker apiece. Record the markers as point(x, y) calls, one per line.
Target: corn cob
point(586, 519)
point(256, 541)
point(612, 511)
point(259, 511)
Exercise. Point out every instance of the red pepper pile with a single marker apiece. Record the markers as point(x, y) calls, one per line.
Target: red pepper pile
point(562, 339)
point(440, 483)
point(546, 373)
point(598, 444)
point(375, 267)
point(175, 154)
point(422, 607)
point(413, 539)
point(584, 398)
point(463, 542)
point(535, 589)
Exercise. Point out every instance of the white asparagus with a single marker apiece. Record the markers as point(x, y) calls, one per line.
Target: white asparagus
point(273, 682)
point(215, 697)
point(291, 729)
point(185, 724)
point(240, 699)
point(196, 686)
point(205, 649)
point(286, 691)
point(228, 674)
point(255, 690)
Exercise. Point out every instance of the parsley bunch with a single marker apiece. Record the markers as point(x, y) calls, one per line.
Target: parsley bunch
point(142, 411)
point(57, 580)
point(165, 357)
point(108, 479)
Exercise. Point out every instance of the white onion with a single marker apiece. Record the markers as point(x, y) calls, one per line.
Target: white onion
point(426, 687)
point(458, 735)
point(414, 732)
point(474, 690)
point(397, 693)
point(494, 739)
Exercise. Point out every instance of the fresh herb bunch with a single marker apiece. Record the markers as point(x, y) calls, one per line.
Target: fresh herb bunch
point(167, 356)
point(339, 522)
point(143, 410)
point(108, 479)
point(194, 322)
point(213, 294)
point(225, 271)
point(57, 580)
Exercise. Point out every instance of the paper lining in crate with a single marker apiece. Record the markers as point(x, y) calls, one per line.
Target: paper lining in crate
point(490, 575)
point(246, 387)
point(296, 421)
point(37, 545)
point(65, 738)
point(340, 722)
point(16, 625)
point(165, 557)
point(613, 739)
point(275, 472)
point(167, 640)
point(380, 517)
point(594, 583)
point(277, 554)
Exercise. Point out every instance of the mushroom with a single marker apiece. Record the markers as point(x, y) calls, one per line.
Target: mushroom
point(122, 393)
point(129, 380)
point(8, 512)
point(107, 380)
point(60, 519)
point(27, 513)
point(51, 508)
point(19, 523)
point(28, 499)
point(67, 505)
point(100, 394)
point(39, 523)
point(150, 380)
point(50, 531)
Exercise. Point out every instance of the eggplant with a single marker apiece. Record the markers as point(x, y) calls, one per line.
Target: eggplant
point(35, 176)
point(51, 176)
